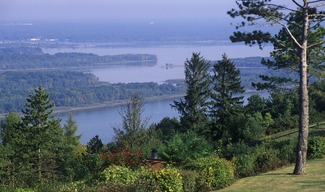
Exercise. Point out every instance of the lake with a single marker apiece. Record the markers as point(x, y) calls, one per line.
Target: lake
point(175, 54)
point(100, 121)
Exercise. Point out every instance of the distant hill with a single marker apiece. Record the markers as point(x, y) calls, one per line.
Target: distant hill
point(33, 58)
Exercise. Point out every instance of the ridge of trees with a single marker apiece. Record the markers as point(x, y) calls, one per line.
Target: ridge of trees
point(34, 58)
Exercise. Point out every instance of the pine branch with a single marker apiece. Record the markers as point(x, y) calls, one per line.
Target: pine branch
point(315, 44)
point(289, 32)
point(317, 15)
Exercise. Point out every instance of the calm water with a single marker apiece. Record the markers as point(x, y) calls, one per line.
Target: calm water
point(101, 121)
point(166, 54)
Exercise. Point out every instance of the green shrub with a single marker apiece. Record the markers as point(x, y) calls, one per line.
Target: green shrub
point(267, 159)
point(316, 147)
point(215, 173)
point(167, 179)
point(119, 174)
point(245, 164)
point(184, 147)
point(189, 180)
point(287, 151)
point(24, 190)
point(66, 187)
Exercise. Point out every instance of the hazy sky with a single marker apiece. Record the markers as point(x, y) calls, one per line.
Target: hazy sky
point(112, 9)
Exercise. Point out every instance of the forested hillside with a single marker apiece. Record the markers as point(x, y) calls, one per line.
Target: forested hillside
point(69, 88)
point(34, 58)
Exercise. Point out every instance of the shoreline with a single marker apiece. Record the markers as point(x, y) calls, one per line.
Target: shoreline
point(58, 110)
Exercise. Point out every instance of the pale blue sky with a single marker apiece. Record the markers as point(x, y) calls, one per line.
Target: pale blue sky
point(112, 9)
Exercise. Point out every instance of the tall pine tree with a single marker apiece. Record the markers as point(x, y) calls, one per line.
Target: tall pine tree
point(41, 136)
point(226, 98)
point(193, 108)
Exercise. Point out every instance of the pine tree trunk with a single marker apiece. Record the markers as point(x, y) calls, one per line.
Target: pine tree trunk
point(301, 155)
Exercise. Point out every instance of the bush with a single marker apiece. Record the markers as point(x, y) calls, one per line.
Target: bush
point(189, 181)
point(119, 174)
point(184, 147)
point(215, 173)
point(266, 159)
point(167, 179)
point(316, 147)
point(287, 151)
point(245, 165)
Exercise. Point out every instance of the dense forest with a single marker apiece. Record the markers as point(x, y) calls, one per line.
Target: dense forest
point(72, 89)
point(34, 58)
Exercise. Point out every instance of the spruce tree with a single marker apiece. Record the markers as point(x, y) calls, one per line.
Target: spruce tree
point(41, 136)
point(193, 107)
point(226, 97)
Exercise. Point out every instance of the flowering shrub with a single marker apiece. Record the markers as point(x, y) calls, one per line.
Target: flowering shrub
point(123, 157)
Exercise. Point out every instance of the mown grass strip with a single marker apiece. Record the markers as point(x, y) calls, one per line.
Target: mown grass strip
point(283, 180)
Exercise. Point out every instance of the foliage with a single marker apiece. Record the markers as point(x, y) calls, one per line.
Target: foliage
point(133, 132)
point(185, 147)
point(259, 158)
point(119, 175)
point(33, 58)
point(215, 173)
point(123, 156)
point(95, 145)
point(37, 140)
point(256, 126)
point(166, 179)
point(166, 128)
point(226, 99)
point(298, 46)
point(73, 88)
point(193, 108)
point(72, 152)
point(190, 181)
point(316, 147)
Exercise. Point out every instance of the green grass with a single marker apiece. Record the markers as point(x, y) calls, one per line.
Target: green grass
point(282, 180)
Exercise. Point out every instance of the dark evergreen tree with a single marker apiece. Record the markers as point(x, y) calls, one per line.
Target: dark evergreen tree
point(40, 137)
point(9, 169)
point(193, 108)
point(71, 152)
point(226, 97)
point(95, 145)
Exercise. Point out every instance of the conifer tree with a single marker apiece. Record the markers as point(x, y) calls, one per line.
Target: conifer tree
point(226, 97)
point(297, 19)
point(71, 152)
point(193, 108)
point(40, 138)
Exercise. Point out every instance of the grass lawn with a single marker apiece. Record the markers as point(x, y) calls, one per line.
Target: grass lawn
point(282, 180)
